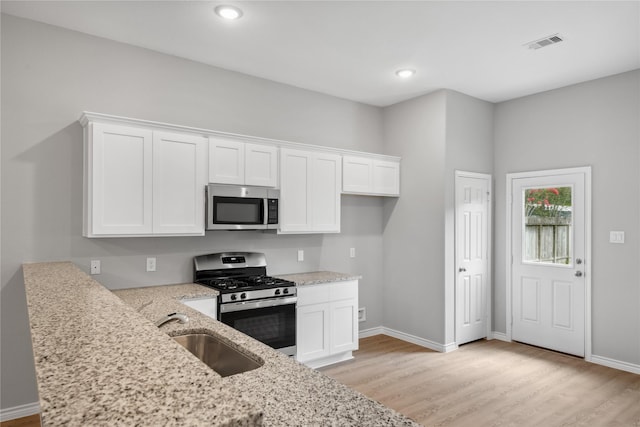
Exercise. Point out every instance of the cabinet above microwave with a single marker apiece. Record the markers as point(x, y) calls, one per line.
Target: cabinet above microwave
point(242, 163)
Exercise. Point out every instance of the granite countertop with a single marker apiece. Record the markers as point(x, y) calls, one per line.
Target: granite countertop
point(315, 277)
point(100, 360)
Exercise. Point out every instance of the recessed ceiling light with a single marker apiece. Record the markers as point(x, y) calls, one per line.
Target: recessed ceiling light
point(228, 12)
point(405, 73)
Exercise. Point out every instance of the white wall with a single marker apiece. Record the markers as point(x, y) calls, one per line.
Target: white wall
point(594, 123)
point(469, 147)
point(51, 75)
point(413, 236)
point(435, 134)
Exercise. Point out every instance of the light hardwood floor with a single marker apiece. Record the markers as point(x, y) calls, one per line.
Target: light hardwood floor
point(491, 383)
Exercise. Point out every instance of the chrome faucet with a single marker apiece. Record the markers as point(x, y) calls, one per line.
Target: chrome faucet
point(180, 317)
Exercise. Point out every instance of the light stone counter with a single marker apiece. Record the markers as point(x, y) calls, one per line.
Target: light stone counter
point(315, 277)
point(101, 361)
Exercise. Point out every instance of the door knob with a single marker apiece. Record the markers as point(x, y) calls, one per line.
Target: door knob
point(462, 269)
point(578, 273)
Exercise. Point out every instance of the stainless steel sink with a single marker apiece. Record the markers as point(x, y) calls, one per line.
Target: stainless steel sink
point(216, 354)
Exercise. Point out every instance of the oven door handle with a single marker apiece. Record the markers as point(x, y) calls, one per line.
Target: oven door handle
point(252, 305)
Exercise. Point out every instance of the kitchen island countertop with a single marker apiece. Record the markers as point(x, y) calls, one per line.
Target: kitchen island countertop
point(100, 360)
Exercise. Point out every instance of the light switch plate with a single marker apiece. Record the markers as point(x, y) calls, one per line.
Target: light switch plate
point(616, 237)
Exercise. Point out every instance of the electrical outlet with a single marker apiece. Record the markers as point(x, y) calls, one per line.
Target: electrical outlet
point(300, 255)
point(352, 252)
point(362, 314)
point(151, 264)
point(95, 266)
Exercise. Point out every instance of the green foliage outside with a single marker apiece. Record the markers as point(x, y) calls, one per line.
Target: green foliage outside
point(548, 202)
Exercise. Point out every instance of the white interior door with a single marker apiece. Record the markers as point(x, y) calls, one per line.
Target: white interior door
point(548, 246)
point(473, 219)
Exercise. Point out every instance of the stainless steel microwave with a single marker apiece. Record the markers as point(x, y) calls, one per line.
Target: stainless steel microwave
point(235, 207)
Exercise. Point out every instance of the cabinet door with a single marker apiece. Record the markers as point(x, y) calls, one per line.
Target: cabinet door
point(386, 178)
point(179, 178)
point(310, 185)
point(295, 191)
point(119, 180)
point(226, 161)
point(357, 174)
point(312, 331)
point(205, 305)
point(261, 165)
point(344, 326)
point(325, 193)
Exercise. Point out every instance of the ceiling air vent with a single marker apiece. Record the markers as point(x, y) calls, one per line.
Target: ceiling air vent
point(546, 41)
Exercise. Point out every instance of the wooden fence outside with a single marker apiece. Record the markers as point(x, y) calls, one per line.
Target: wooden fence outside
point(548, 239)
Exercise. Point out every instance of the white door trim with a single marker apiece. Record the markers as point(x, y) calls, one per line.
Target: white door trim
point(489, 287)
point(586, 170)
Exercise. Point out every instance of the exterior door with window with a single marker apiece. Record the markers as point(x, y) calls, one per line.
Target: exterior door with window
point(548, 249)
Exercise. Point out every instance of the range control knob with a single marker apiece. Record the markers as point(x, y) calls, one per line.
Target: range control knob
point(285, 291)
point(277, 291)
point(234, 297)
point(243, 295)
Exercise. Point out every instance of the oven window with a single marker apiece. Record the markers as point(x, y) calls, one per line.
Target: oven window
point(274, 326)
point(268, 327)
point(236, 210)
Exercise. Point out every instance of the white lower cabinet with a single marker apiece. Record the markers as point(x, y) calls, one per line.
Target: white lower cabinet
point(327, 324)
point(205, 305)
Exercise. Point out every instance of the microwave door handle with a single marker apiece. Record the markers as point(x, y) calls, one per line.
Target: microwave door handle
point(265, 212)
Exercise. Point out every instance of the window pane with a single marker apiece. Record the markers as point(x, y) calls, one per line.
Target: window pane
point(548, 225)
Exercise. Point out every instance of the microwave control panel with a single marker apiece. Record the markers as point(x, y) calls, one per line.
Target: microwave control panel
point(272, 211)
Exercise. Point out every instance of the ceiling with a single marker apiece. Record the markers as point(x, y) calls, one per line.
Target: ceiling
point(351, 49)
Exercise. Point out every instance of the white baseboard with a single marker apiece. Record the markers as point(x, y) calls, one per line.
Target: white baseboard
point(616, 364)
point(500, 336)
point(329, 360)
point(381, 330)
point(366, 333)
point(20, 411)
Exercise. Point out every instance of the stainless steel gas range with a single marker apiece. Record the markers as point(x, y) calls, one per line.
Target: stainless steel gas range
point(260, 306)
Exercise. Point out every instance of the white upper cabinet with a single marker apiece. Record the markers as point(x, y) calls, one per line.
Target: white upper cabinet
point(310, 183)
point(226, 161)
point(261, 165)
point(325, 192)
point(144, 178)
point(179, 178)
point(142, 182)
point(371, 176)
point(357, 174)
point(118, 180)
point(236, 162)
point(386, 178)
